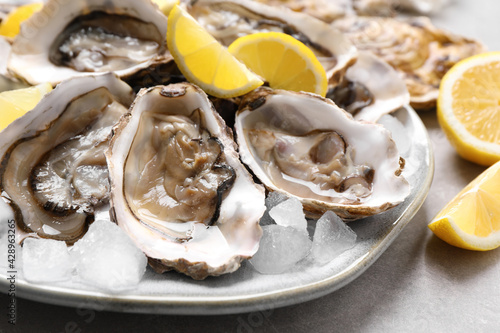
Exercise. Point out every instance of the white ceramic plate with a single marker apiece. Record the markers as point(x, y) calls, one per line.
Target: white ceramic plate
point(246, 290)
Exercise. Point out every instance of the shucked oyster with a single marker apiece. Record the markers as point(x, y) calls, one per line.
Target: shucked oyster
point(53, 170)
point(178, 187)
point(75, 38)
point(227, 20)
point(306, 147)
point(414, 47)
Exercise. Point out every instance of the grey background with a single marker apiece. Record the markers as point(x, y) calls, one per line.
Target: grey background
point(419, 284)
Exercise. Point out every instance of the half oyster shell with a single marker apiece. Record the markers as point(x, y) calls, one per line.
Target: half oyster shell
point(76, 38)
point(178, 187)
point(306, 147)
point(53, 170)
point(414, 47)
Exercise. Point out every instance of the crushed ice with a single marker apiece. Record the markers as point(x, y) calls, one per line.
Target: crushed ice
point(46, 260)
point(331, 237)
point(289, 213)
point(105, 258)
point(108, 259)
point(286, 242)
point(280, 249)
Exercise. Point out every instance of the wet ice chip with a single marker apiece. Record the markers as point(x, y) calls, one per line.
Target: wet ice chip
point(108, 259)
point(273, 199)
point(398, 131)
point(289, 213)
point(280, 249)
point(331, 237)
point(46, 260)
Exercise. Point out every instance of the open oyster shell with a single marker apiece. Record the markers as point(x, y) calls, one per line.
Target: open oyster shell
point(414, 47)
point(178, 187)
point(76, 38)
point(53, 170)
point(227, 20)
point(306, 147)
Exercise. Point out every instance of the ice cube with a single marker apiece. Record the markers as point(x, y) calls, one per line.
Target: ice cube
point(280, 249)
point(108, 259)
point(46, 260)
point(331, 237)
point(272, 200)
point(398, 131)
point(275, 198)
point(290, 213)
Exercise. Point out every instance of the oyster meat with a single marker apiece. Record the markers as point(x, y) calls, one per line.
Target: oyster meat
point(306, 147)
point(227, 20)
point(53, 169)
point(178, 187)
point(414, 47)
point(77, 38)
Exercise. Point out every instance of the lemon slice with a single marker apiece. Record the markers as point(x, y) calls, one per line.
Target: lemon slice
point(10, 26)
point(468, 107)
point(283, 61)
point(15, 103)
point(166, 5)
point(204, 61)
point(472, 219)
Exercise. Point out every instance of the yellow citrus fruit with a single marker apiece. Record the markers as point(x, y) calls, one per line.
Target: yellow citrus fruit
point(10, 26)
point(204, 61)
point(468, 107)
point(471, 220)
point(15, 103)
point(283, 61)
point(166, 5)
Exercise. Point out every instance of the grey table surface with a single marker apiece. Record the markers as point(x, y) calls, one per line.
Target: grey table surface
point(419, 284)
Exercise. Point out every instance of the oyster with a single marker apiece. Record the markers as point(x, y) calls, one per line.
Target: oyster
point(306, 147)
point(370, 89)
point(178, 187)
point(227, 20)
point(53, 170)
point(414, 47)
point(77, 38)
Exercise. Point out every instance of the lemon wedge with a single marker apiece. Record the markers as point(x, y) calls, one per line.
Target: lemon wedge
point(471, 220)
point(11, 24)
point(283, 61)
point(468, 107)
point(166, 5)
point(15, 103)
point(204, 61)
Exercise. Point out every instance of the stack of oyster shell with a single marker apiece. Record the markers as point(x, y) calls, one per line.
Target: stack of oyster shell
point(184, 174)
